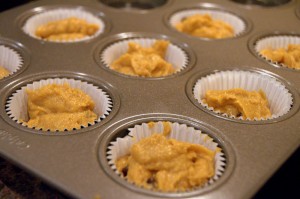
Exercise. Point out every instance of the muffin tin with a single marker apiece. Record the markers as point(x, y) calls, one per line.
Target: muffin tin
point(76, 163)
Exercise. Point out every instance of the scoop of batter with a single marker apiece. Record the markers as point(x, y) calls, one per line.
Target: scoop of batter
point(59, 107)
point(157, 162)
point(289, 56)
point(145, 62)
point(204, 26)
point(3, 72)
point(239, 102)
point(66, 29)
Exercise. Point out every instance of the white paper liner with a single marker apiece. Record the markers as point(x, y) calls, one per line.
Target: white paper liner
point(275, 42)
point(16, 106)
point(279, 98)
point(174, 54)
point(237, 24)
point(10, 59)
point(58, 14)
point(180, 132)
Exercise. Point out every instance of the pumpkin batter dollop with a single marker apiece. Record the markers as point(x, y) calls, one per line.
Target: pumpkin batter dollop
point(66, 29)
point(204, 26)
point(144, 62)
point(59, 107)
point(239, 102)
point(157, 162)
point(289, 56)
point(3, 72)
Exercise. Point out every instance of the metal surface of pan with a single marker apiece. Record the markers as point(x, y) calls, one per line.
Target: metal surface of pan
point(74, 161)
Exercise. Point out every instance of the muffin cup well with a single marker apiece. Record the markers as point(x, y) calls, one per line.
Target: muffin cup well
point(10, 59)
point(276, 42)
point(132, 5)
point(236, 22)
point(43, 18)
point(179, 132)
point(174, 54)
point(268, 3)
point(279, 98)
point(16, 106)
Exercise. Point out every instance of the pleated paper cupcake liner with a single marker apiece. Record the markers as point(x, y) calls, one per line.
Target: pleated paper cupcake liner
point(177, 57)
point(179, 132)
point(10, 59)
point(276, 42)
point(237, 23)
point(16, 106)
point(279, 98)
point(43, 18)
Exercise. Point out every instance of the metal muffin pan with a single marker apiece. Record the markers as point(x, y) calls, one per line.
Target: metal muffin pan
point(74, 161)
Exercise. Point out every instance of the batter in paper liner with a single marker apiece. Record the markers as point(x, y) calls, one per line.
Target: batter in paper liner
point(145, 62)
point(3, 72)
point(59, 107)
point(239, 102)
point(289, 56)
point(157, 162)
point(66, 29)
point(204, 26)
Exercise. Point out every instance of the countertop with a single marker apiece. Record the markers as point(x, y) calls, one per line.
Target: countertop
point(16, 183)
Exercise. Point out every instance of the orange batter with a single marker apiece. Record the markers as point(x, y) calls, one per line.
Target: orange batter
point(289, 56)
point(59, 107)
point(204, 26)
point(145, 62)
point(239, 102)
point(3, 72)
point(157, 162)
point(66, 29)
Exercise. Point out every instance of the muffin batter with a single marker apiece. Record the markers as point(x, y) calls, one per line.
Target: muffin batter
point(157, 162)
point(66, 29)
point(59, 107)
point(289, 56)
point(239, 102)
point(145, 62)
point(204, 26)
point(3, 72)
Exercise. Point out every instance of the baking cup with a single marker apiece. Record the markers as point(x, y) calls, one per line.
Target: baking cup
point(275, 42)
point(179, 132)
point(16, 106)
point(58, 14)
point(10, 59)
point(279, 98)
point(174, 55)
point(237, 23)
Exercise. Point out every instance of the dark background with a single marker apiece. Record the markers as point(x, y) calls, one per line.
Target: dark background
point(15, 183)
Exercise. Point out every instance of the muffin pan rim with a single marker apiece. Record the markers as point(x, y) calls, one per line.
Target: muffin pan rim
point(295, 95)
point(106, 87)
point(22, 18)
point(101, 46)
point(208, 6)
point(111, 132)
point(297, 12)
point(263, 35)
